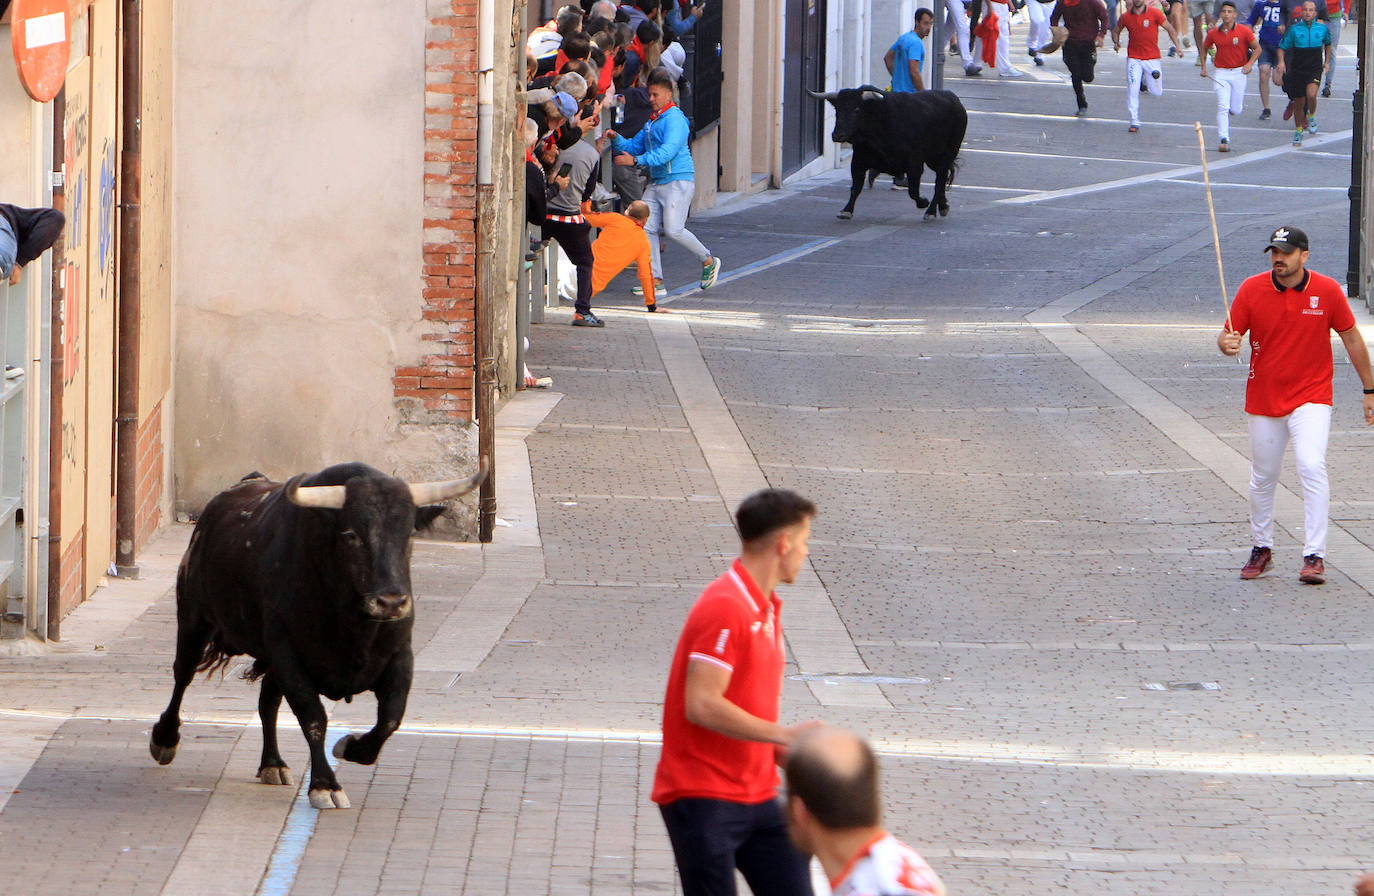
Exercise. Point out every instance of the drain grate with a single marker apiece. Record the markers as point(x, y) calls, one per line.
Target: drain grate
point(1183, 686)
point(862, 677)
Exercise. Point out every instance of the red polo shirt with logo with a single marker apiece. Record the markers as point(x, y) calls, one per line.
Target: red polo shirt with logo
point(734, 626)
point(1290, 340)
point(1144, 31)
point(1233, 46)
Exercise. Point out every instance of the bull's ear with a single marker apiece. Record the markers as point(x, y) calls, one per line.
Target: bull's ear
point(426, 514)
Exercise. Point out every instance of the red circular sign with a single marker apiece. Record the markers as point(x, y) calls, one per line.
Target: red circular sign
point(41, 33)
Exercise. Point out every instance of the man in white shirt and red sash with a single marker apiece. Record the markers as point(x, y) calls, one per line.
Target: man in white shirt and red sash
point(834, 811)
point(717, 779)
point(1290, 313)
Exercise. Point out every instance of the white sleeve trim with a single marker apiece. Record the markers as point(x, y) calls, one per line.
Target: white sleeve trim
point(707, 658)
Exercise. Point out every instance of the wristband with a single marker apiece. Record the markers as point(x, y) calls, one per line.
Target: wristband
point(1369, 391)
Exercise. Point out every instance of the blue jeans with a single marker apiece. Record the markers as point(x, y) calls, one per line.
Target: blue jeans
point(9, 248)
point(668, 206)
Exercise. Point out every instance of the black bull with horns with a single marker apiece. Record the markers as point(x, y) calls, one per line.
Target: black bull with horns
point(899, 134)
point(312, 580)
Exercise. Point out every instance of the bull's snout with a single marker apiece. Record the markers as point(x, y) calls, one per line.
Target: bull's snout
point(389, 606)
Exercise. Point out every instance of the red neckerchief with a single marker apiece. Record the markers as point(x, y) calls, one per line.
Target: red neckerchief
point(638, 49)
point(1070, 2)
point(529, 156)
point(661, 111)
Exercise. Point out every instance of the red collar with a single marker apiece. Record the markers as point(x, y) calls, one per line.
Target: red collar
point(661, 111)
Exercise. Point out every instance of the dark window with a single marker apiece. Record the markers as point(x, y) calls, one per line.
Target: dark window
point(701, 102)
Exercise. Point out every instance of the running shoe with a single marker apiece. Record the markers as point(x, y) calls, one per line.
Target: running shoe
point(659, 290)
point(1133, 129)
point(587, 320)
point(1326, 91)
point(1311, 124)
point(709, 271)
point(1297, 137)
point(1313, 571)
point(1265, 115)
point(1225, 146)
point(1258, 564)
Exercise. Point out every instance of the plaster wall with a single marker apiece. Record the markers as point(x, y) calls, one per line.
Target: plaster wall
point(299, 156)
point(16, 140)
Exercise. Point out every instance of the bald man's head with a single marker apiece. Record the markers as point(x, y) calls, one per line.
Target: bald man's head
point(638, 210)
point(835, 775)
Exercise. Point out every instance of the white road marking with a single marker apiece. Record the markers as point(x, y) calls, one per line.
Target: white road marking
point(1183, 171)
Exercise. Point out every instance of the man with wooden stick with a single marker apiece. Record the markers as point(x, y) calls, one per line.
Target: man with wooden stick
point(1290, 313)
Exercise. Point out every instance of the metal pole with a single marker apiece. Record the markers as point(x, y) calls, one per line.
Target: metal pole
point(940, 43)
point(1355, 246)
point(130, 299)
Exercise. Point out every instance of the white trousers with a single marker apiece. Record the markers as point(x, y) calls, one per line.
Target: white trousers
point(1003, 10)
point(959, 19)
point(1308, 428)
point(1229, 85)
point(1138, 71)
point(1039, 32)
point(1333, 25)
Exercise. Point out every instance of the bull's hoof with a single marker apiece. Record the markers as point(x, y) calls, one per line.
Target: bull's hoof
point(341, 746)
point(845, 216)
point(275, 774)
point(929, 215)
point(163, 755)
point(324, 798)
point(944, 210)
point(922, 202)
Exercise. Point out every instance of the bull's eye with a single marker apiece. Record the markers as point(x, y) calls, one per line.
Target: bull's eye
point(350, 536)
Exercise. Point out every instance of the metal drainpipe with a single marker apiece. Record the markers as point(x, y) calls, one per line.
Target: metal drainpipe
point(56, 370)
point(130, 190)
point(484, 393)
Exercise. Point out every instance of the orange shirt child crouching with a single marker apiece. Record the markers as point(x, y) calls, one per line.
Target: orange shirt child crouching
point(622, 242)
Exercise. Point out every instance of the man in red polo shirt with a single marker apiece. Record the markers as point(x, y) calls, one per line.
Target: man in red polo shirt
point(1142, 23)
point(1237, 49)
point(1290, 313)
point(717, 778)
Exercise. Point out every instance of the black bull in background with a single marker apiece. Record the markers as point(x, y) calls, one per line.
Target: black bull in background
point(900, 134)
point(312, 580)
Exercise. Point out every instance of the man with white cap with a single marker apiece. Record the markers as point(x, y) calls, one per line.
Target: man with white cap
point(1290, 313)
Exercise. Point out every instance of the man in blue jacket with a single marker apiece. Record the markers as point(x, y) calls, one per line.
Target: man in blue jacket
point(661, 146)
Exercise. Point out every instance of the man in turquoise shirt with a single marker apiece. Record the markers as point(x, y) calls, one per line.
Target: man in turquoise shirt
point(904, 60)
point(1304, 55)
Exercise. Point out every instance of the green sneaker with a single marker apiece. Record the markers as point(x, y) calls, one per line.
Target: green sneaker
point(709, 271)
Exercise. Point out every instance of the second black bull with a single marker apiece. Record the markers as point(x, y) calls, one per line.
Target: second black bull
point(900, 134)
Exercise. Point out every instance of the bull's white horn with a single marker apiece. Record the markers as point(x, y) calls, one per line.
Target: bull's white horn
point(831, 96)
point(873, 94)
point(434, 492)
point(327, 496)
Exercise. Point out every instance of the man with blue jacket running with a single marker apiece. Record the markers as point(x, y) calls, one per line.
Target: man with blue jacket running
point(661, 146)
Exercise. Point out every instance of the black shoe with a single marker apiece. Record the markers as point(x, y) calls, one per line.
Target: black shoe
point(1326, 92)
point(1265, 115)
point(1082, 110)
point(587, 320)
point(651, 307)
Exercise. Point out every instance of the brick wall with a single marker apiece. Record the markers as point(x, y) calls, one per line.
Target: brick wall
point(439, 388)
point(72, 575)
point(148, 487)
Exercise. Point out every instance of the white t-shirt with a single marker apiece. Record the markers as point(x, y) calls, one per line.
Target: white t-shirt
point(887, 867)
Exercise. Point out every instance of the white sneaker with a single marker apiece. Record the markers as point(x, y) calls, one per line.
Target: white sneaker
point(12, 372)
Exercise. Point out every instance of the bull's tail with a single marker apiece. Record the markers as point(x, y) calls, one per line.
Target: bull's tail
point(949, 172)
point(214, 658)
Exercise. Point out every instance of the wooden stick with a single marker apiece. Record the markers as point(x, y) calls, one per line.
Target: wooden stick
point(1216, 235)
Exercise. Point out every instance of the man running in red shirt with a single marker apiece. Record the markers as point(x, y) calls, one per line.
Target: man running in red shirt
point(1237, 50)
point(717, 779)
point(1142, 24)
point(1290, 313)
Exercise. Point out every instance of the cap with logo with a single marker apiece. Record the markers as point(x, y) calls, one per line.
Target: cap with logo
point(1287, 239)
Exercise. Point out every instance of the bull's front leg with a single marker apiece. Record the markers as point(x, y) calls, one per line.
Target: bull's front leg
point(941, 200)
point(392, 690)
point(304, 700)
point(858, 170)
